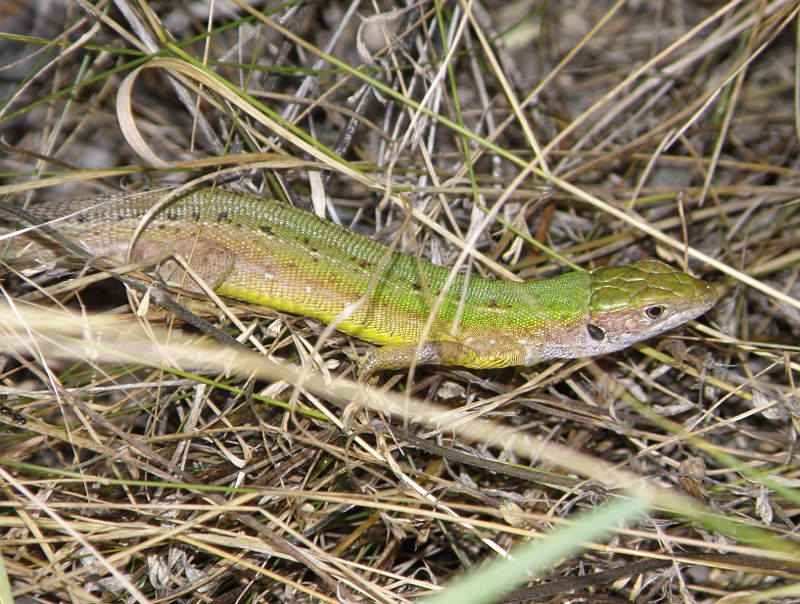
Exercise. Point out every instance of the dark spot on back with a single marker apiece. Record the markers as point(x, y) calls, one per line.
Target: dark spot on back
point(266, 229)
point(81, 218)
point(493, 303)
point(222, 216)
point(196, 215)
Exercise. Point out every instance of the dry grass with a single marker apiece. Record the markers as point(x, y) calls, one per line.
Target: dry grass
point(157, 465)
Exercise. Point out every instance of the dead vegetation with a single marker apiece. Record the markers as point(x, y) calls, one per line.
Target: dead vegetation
point(155, 464)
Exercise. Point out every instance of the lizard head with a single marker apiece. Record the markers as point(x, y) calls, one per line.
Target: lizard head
point(634, 302)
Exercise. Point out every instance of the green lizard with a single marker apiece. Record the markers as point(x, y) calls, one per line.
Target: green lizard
point(265, 252)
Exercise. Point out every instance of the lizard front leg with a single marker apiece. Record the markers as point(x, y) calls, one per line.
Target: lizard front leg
point(400, 356)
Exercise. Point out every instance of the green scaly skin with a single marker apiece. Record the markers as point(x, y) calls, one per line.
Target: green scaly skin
point(267, 253)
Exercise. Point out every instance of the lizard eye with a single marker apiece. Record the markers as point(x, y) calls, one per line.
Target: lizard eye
point(654, 312)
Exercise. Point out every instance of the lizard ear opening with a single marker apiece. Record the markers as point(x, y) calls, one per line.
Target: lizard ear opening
point(595, 332)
